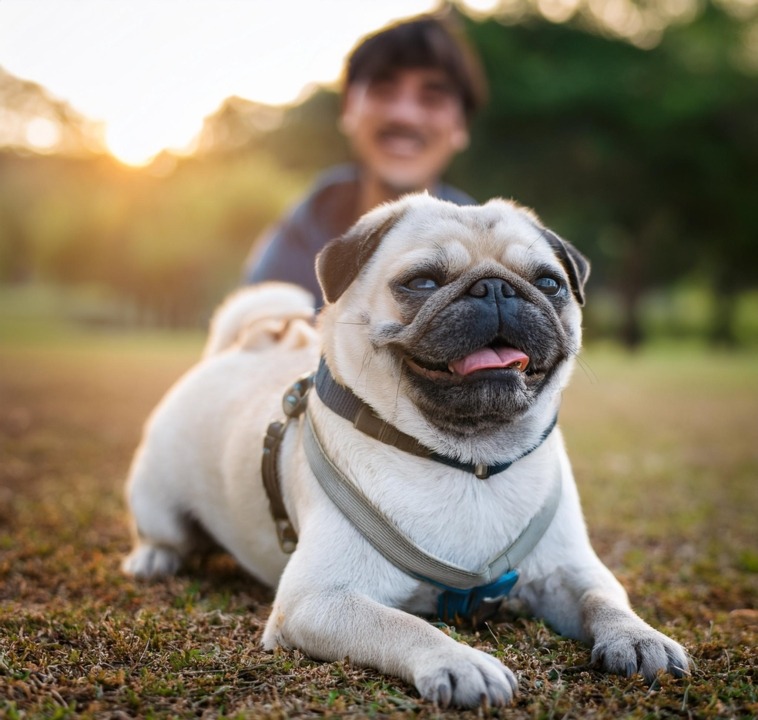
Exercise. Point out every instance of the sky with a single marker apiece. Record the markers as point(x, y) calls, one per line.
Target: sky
point(151, 70)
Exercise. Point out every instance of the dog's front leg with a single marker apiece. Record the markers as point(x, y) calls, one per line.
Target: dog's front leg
point(588, 603)
point(331, 623)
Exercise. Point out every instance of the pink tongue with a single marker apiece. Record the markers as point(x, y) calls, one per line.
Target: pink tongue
point(503, 357)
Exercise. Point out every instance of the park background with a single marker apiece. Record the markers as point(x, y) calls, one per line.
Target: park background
point(638, 142)
point(632, 129)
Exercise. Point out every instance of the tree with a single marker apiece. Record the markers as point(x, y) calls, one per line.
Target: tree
point(642, 157)
point(30, 118)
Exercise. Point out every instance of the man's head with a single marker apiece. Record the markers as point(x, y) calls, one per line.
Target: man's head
point(409, 94)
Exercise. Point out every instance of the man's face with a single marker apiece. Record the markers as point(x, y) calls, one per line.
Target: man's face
point(405, 127)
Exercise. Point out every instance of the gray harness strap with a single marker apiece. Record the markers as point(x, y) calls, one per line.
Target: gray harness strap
point(400, 550)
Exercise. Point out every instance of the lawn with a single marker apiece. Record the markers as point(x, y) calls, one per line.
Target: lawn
point(665, 448)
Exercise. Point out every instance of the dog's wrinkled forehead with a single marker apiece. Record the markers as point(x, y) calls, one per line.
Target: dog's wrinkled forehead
point(420, 229)
point(464, 237)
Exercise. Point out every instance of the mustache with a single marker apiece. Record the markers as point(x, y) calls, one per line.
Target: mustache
point(401, 131)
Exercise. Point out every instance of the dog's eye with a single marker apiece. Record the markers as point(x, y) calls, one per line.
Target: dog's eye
point(422, 284)
point(548, 285)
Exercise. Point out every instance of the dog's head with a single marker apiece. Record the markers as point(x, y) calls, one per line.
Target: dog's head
point(453, 323)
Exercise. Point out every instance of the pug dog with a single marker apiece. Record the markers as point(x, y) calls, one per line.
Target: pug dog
point(419, 473)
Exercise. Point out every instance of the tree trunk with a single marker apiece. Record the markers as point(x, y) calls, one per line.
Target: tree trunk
point(722, 332)
point(631, 287)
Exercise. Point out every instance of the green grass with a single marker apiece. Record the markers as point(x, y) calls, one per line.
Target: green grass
point(665, 448)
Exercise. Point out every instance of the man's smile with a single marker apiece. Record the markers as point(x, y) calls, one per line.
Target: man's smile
point(401, 142)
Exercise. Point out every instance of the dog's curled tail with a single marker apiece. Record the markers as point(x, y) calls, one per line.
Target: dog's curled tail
point(261, 316)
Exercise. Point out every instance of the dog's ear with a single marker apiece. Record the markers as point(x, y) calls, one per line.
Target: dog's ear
point(339, 263)
point(574, 263)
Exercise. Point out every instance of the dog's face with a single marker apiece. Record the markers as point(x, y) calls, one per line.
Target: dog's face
point(470, 315)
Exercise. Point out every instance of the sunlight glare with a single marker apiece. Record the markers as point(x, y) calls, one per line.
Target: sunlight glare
point(152, 71)
point(42, 133)
point(137, 141)
point(482, 7)
point(558, 11)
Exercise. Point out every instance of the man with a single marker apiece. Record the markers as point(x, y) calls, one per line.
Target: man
point(409, 94)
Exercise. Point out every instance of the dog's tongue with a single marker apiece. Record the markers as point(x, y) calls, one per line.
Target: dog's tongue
point(502, 357)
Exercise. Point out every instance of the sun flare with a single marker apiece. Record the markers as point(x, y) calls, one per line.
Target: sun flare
point(150, 72)
point(138, 142)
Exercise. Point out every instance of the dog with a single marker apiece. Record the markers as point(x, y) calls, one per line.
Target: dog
point(419, 472)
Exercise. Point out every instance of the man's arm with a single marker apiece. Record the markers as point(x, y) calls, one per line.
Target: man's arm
point(284, 255)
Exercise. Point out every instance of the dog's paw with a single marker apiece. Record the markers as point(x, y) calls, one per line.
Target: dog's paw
point(638, 648)
point(273, 636)
point(147, 561)
point(464, 677)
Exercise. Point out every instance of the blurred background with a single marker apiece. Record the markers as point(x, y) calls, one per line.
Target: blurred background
point(144, 147)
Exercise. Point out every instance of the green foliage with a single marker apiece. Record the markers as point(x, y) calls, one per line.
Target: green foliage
point(170, 246)
point(644, 158)
point(26, 106)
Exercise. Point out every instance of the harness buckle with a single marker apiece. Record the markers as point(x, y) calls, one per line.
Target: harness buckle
point(295, 400)
point(286, 534)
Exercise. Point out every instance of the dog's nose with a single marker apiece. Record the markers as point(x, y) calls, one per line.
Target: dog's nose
point(494, 288)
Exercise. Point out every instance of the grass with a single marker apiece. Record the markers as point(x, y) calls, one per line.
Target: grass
point(666, 454)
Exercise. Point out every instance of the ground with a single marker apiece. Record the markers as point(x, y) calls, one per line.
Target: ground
point(665, 450)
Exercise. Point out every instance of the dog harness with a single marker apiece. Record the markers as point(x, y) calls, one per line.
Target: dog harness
point(346, 404)
point(466, 595)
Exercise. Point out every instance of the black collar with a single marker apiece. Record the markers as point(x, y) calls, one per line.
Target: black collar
point(346, 404)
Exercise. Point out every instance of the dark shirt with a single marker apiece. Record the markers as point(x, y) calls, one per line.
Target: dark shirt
point(288, 252)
